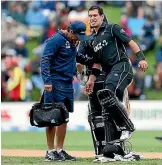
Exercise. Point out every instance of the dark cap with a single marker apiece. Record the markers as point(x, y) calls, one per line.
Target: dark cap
point(79, 29)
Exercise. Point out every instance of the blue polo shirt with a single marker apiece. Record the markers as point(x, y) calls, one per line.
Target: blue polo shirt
point(58, 61)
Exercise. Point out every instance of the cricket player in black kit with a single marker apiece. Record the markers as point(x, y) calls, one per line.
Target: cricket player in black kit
point(99, 135)
point(110, 55)
point(85, 57)
point(102, 132)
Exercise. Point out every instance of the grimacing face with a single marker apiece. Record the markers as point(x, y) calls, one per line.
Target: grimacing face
point(95, 18)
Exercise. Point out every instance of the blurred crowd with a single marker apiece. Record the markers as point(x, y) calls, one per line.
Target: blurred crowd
point(23, 22)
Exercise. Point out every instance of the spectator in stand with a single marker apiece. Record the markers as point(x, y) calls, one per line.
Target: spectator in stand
point(21, 52)
point(46, 4)
point(34, 68)
point(158, 74)
point(72, 5)
point(124, 25)
point(8, 34)
point(147, 41)
point(35, 16)
point(49, 31)
point(8, 57)
point(20, 48)
point(134, 9)
point(16, 13)
point(153, 8)
point(80, 14)
point(136, 88)
point(16, 82)
point(62, 15)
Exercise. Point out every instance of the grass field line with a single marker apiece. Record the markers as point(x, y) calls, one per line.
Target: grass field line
point(79, 154)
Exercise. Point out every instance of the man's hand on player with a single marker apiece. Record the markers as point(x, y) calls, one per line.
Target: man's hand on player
point(89, 87)
point(90, 84)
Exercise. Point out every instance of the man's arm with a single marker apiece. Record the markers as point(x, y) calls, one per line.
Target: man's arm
point(49, 52)
point(81, 56)
point(139, 54)
point(121, 35)
point(135, 48)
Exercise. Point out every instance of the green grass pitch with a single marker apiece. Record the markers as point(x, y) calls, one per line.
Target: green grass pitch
point(77, 140)
point(142, 141)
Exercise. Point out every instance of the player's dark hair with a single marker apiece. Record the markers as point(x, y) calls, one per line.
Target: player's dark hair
point(105, 19)
point(100, 10)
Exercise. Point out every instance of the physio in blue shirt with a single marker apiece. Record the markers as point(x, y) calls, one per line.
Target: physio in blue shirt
point(58, 64)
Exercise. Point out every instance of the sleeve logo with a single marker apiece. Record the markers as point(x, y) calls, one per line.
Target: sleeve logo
point(122, 31)
point(67, 45)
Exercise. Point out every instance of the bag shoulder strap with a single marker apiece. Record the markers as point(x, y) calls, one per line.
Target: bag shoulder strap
point(42, 99)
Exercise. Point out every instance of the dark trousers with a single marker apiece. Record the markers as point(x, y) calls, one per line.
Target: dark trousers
point(118, 78)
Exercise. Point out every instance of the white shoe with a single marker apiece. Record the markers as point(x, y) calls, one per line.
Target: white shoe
point(98, 156)
point(125, 135)
point(103, 160)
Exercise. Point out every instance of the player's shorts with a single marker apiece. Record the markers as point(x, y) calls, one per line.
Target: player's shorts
point(61, 94)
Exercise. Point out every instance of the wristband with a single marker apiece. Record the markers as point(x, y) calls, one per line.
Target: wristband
point(140, 55)
point(95, 72)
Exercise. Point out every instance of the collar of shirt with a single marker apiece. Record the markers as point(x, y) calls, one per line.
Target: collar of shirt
point(102, 27)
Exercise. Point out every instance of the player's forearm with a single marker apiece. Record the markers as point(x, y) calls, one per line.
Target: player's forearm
point(136, 49)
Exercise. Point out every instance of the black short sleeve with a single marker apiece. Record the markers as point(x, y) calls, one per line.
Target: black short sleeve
point(120, 34)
